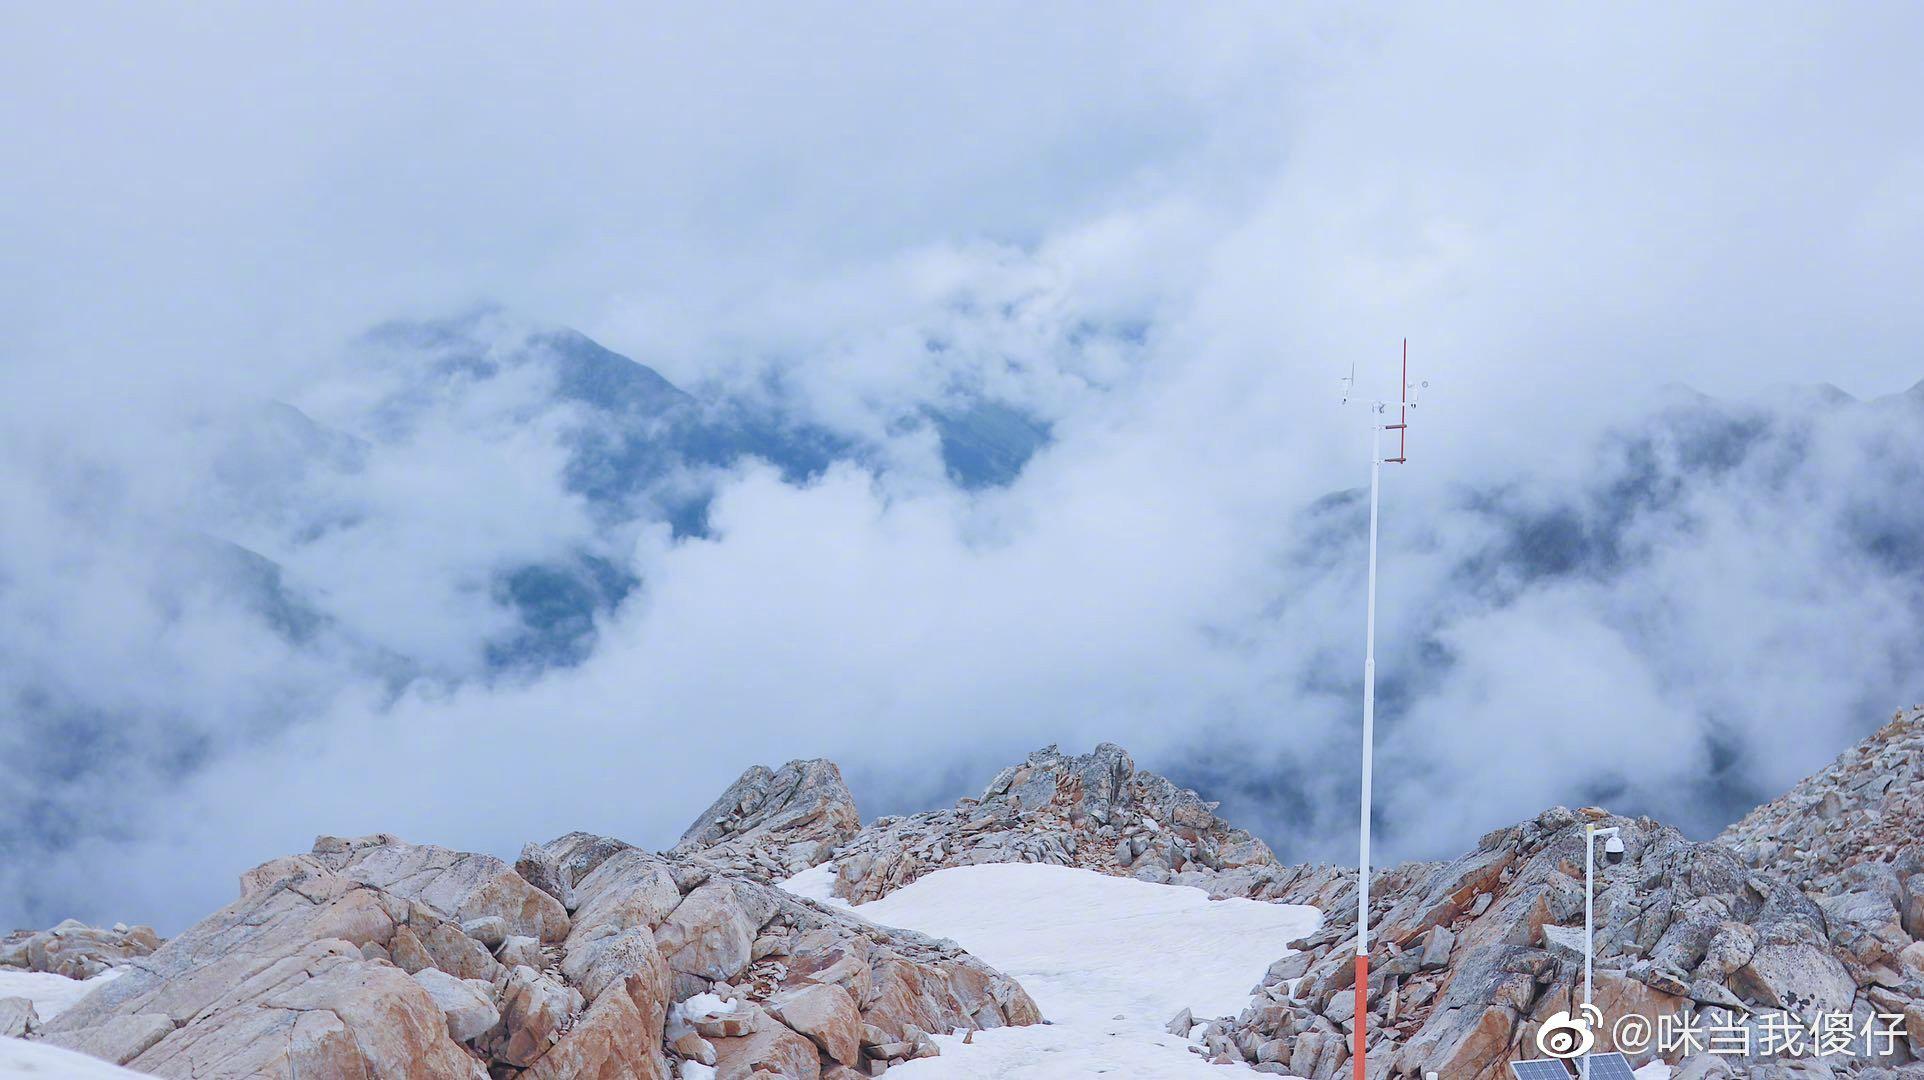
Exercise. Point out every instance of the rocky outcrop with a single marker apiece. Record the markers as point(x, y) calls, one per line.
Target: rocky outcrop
point(1469, 957)
point(686, 929)
point(376, 957)
point(463, 885)
point(1095, 811)
point(75, 949)
point(772, 825)
point(590, 957)
point(1849, 836)
point(308, 967)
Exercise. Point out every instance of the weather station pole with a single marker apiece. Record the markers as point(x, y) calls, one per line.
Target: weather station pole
point(1369, 768)
point(1378, 410)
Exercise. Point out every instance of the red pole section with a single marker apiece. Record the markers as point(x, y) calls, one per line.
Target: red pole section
point(1362, 1011)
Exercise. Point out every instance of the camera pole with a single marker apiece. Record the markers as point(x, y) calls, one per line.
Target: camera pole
point(1590, 834)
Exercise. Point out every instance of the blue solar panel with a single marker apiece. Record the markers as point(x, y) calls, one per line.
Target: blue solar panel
point(1609, 1067)
point(1540, 1069)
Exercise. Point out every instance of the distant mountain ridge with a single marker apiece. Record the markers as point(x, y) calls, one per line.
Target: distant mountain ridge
point(639, 449)
point(636, 454)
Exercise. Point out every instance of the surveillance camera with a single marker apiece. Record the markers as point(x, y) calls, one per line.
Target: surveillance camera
point(1613, 850)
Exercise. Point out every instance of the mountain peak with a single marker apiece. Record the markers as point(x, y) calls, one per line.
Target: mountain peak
point(1095, 810)
point(774, 824)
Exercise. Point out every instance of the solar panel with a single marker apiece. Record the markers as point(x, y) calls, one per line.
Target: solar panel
point(1540, 1069)
point(1609, 1067)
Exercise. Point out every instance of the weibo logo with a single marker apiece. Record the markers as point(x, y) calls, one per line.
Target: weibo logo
point(1563, 1037)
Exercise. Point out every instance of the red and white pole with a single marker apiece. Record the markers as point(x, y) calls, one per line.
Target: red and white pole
point(1359, 1053)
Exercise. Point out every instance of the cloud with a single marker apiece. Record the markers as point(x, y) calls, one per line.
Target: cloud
point(227, 625)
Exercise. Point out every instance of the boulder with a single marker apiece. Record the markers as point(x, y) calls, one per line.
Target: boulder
point(465, 1003)
point(1866, 807)
point(1436, 948)
point(710, 934)
point(772, 1049)
point(17, 1016)
point(1703, 1066)
point(1180, 1024)
point(535, 1009)
point(1864, 925)
point(827, 1015)
point(1731, 948)
point(1468, 1041)
point(518, 951)
point(619, 1037)
point(489, 930)
point(1798, 976)
point(1292, 966)
point(539, 868)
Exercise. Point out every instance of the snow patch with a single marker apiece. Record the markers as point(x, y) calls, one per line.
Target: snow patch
point(1066, 1052)
point(51, 994)
point(1109, 960)
point(816, 883)
point(1088, 946)
point(704, 1007)
point(24, 1060)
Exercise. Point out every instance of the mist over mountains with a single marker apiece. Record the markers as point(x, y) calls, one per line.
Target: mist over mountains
point(480, 547)
point(492, 427)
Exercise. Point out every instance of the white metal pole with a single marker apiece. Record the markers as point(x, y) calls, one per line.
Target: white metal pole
point(1359, 1051)
point(1589, 928)
point(1369, 705)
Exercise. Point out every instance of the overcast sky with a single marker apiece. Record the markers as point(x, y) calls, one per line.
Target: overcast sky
point(1166, 229)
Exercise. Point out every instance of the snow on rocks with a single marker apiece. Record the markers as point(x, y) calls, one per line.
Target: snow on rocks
point(47, 993)
point(23, 1060)
point(1108, 959)
point(1063, 1052)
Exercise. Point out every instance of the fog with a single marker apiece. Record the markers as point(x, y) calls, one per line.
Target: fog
point(251, 561)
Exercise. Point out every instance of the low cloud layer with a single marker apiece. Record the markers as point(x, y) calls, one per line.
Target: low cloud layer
point(264, 574)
